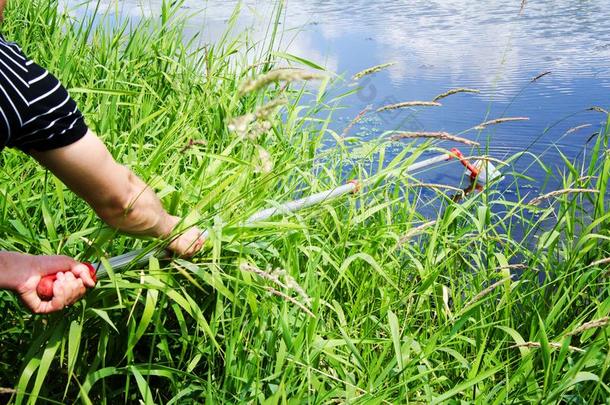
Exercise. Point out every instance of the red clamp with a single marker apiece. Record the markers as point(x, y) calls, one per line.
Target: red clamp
point(474, 172)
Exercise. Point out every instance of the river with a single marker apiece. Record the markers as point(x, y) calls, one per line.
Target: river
point(497, 47)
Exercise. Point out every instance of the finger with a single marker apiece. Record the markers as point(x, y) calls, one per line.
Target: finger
point(72, 286)
point(47, 307)
point(188, 243)
point(195, 241)
point(191, 248)
point(32, 301)
point(59, 294)
point(75, 289)
point(177, 247)
point(200, 242)
point(82, 272)
point(196, 247)
point(68, 277)
point(78, 288)
point(53, 264)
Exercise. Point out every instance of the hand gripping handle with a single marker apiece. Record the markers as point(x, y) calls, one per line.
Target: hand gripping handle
point(45, 286)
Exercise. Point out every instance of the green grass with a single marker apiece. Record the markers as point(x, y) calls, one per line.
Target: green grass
point(390, 324)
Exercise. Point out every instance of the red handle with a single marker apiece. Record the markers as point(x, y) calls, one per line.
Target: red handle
point(474, 172)
point(45, 286)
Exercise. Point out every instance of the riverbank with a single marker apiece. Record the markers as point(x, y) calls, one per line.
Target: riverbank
point(363, 300)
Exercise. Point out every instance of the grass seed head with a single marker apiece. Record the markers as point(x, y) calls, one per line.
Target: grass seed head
point(414, 232)
point(265, 162)
point(292, 284)
point(557, 193)
point(371, 70)
point(444, 136)
point(454, 91)
point(554, 345)
point(291, 300)
point(497, 121)
point(267, 111)
point(407, 104)
point(599, 262)
point(278, 75)
point(487, 291)
point(250, 268)
point(240, 125)
point(591, 325)
point(279, 277)
point(578, 128)
point(253, 125)
point(357, 119)
point(258, 128)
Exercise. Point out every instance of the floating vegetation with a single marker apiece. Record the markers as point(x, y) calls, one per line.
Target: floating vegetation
point(598, 109)
point(356, 120)
point(278, 75)
point(454, 91)
point(407, 104)
point(540, 76)
point(497, 121)
point(371, 70)
point(522, 8)
point(445, 136)
point(564, 191)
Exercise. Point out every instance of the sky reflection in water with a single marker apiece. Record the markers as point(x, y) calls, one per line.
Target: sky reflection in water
point(439, 45)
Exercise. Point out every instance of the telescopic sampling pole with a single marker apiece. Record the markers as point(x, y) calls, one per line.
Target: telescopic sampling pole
point(141, 256)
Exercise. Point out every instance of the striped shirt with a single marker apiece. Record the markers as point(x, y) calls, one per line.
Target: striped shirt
point(36, 111)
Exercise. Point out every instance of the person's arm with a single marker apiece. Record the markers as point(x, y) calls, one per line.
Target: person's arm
point(22, 273)
point(115, 193)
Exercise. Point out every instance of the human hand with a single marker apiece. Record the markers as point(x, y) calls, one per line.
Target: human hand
point(187, 243)
point(22, 274)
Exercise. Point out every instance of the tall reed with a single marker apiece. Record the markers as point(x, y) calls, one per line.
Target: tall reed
point(373, 308)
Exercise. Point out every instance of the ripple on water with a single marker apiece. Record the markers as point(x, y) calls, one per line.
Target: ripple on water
point(444, 44)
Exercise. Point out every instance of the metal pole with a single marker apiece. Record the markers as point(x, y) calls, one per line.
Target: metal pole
point(141, 256)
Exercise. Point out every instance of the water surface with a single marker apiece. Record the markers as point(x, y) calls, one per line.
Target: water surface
point(492, 46)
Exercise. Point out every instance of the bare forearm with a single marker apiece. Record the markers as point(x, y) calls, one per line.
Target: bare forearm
point(116, 194)
point(138, 210)
point(9, 264)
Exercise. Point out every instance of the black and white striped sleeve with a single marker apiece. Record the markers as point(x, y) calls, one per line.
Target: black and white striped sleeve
point(36, 111)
